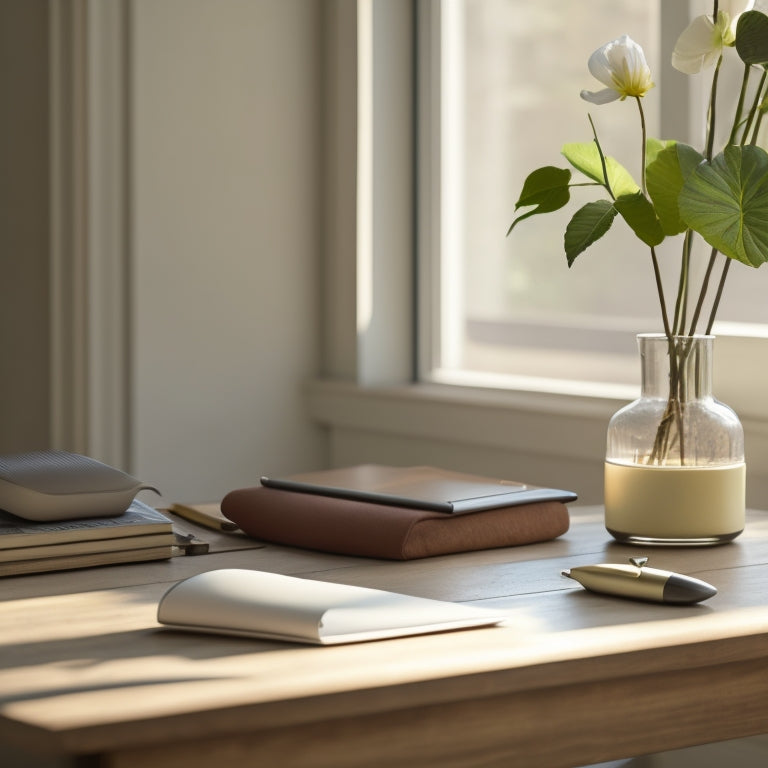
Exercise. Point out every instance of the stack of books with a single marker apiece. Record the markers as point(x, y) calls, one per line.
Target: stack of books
point(141, 533)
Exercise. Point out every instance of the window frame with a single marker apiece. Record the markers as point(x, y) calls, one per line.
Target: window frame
point(736, 342)
point(396, 418)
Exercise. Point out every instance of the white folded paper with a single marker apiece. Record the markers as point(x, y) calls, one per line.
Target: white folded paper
point(277, 607)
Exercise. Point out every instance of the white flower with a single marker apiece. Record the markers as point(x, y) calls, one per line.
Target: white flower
point(621, 66)
point(702, 42)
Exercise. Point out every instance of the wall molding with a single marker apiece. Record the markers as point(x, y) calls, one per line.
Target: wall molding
point(90, 246)
point(370, 196)
point(68, 275)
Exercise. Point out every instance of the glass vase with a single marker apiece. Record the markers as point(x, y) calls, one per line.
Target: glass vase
point(674, 468)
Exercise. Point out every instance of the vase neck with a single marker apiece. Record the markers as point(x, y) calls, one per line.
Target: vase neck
point(682, 367)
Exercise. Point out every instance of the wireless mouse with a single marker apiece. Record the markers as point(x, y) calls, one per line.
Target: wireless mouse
point(57, 485)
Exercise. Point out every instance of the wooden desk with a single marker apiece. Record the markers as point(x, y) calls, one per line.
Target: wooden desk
point(574, 678)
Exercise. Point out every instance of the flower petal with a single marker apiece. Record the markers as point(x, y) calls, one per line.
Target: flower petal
point(625, 50)
point(698, 46)
point(734, 8)
point(621, 66)
point(600, 67)
point(728, 17)
point(601, 97)
point(631, 74)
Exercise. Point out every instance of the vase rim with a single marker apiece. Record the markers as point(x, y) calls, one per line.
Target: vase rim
point(695, 337)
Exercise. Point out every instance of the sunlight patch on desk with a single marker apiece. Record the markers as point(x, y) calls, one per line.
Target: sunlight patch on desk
point(53, 615)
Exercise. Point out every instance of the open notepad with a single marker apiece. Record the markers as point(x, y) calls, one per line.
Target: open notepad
point(277, 607)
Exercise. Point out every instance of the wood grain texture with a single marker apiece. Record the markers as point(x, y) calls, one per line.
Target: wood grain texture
point(559, 727)
point(571, 678)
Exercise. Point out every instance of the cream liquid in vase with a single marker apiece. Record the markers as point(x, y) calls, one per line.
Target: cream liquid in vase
point(672, 504)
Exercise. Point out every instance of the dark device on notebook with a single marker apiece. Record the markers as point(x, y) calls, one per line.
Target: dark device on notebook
point(429, 488)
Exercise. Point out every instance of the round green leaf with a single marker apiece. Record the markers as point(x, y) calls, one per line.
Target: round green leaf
point(665, 176)
point(654, 146)
point(752, 37)
point(726, 202)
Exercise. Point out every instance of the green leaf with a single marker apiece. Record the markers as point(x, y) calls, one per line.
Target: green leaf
point(653, 147)
point(665, 176)
point(547, 189)
point(726, 202)
point(588, 224)
point(639, 213)
point(689, 158)
point(586, 158)
point(752, 37)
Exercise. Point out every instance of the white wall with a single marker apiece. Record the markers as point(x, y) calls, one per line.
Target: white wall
point(182, 180)
point(224, 233)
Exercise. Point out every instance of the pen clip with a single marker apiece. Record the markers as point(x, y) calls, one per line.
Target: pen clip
point(189, 544)
point(638, 562)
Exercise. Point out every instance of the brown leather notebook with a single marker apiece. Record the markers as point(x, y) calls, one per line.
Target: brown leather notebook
point(357, 527)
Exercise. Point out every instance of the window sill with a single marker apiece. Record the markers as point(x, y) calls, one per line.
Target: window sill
point(539, 422)
point(543, 426)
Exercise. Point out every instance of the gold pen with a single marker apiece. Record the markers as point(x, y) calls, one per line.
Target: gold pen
point(637, 582)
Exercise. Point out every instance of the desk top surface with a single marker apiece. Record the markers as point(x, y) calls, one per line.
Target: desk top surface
point(84, 665)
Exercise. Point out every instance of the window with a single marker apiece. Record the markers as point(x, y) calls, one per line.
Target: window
point(499, 95)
